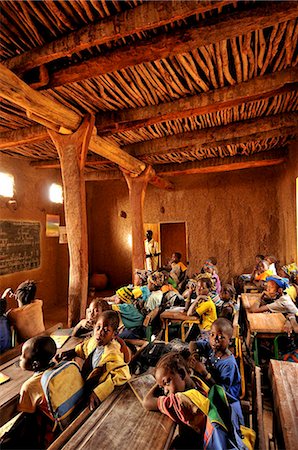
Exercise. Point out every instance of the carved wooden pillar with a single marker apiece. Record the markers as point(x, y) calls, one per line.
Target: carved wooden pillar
point(72, 150)
point(137, 188)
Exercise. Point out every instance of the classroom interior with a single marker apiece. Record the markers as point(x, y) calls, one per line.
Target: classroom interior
point(201, 95)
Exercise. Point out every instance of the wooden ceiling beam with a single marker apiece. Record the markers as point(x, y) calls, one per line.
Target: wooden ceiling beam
point(259, 88)
point(212, 135)
point(216, 165)
point(23, 136)
point(144, 17)
point(55, 163)
point(178, 41)
point(56, 115)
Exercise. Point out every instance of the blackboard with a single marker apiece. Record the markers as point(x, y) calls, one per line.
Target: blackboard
point(19, 246)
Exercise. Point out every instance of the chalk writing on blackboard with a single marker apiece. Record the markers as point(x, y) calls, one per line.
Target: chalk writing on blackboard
point(19, 246)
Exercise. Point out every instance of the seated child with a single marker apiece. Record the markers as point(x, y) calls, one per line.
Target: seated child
point(131, 317)
point(282, 302)
point(155, 282)
point(104, 366)
point(210, 268)
point(86, 326)
point(5, 334)
point(172, 395)
point(37, 355)
point(178, 271)
point(27, 319)
point(203, 306)
point(258, 259)
point(220, 367)
point(228, 295)
point(263, 271)
point(140, 290)
point(272, 263)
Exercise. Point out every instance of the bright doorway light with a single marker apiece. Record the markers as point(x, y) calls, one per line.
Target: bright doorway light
point(6, 185)
point(56, 195)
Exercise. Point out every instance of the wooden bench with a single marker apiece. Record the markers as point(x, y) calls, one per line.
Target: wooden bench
point(9, 391)
point(120, 421)
point(284, 381)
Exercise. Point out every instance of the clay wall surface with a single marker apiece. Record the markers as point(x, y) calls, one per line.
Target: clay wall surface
point(287, 206)
point(32, 195)
point(229, 215)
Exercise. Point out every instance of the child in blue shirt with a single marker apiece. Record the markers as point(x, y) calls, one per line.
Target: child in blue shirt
point(220, 365)
point(131, 317)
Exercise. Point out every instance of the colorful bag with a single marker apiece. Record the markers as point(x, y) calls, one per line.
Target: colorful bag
point(63, 387)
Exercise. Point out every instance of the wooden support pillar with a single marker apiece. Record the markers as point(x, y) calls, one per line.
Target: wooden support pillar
point(72, 150)
point(137, 189)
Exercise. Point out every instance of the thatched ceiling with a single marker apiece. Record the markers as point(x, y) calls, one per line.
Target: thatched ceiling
point(170, 83)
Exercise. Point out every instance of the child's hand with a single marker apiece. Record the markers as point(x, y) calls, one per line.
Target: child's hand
point(288, 327)
point(94, 402)
point(69, 354)
point(198, 366)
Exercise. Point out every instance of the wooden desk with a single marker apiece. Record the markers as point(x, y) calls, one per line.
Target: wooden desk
point(264, 325)
point(125, 424)
point(284, 380)
point(170, 315)
point(9, 391)
point(247, 300)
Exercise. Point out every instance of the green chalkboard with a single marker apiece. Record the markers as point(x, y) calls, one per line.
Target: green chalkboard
point(19, 246)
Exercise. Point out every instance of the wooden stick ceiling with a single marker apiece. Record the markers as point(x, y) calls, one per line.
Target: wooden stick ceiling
point(256, 89)
point(178, 42)
point(145, 17)
point(57, 115)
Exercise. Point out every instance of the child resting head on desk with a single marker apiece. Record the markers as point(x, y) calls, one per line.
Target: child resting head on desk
point(220, 365)
point(170, 395)
point(283, 304)
point(104, 366)
point(86, 326)
point(202, 306)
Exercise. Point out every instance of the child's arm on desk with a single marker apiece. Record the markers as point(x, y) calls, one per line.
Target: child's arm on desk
point(258, 309)
point(192, 309)
point(151, 398)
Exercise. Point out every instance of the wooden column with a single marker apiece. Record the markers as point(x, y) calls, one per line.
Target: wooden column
point(72, 150)
point(137, 189)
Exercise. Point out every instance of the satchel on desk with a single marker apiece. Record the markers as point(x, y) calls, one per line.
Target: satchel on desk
point(63, 388)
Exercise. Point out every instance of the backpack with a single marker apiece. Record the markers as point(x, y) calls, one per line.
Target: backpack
point(63, 387)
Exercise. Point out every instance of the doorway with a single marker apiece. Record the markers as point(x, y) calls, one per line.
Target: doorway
point(173, 238)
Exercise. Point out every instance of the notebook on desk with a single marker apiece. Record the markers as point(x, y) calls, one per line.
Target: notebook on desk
point(3, 378)
point(61, 336)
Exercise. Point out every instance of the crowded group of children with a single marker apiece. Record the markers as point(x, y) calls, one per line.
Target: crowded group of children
point(199, 389)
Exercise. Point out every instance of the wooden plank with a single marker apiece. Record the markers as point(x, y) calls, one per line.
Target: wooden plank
point(125, 422)
point(145, 17)
point(212, 135)
point(178, 42)
point(207, 102)
point(284, 377)
point(218, 166)
point(266, 323)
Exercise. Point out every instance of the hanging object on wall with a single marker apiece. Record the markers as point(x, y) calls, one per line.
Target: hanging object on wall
point(52, 225)
point(62, 235)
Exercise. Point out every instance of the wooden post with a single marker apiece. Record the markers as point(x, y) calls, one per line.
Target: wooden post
point(72, 151)
point(137, 188)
